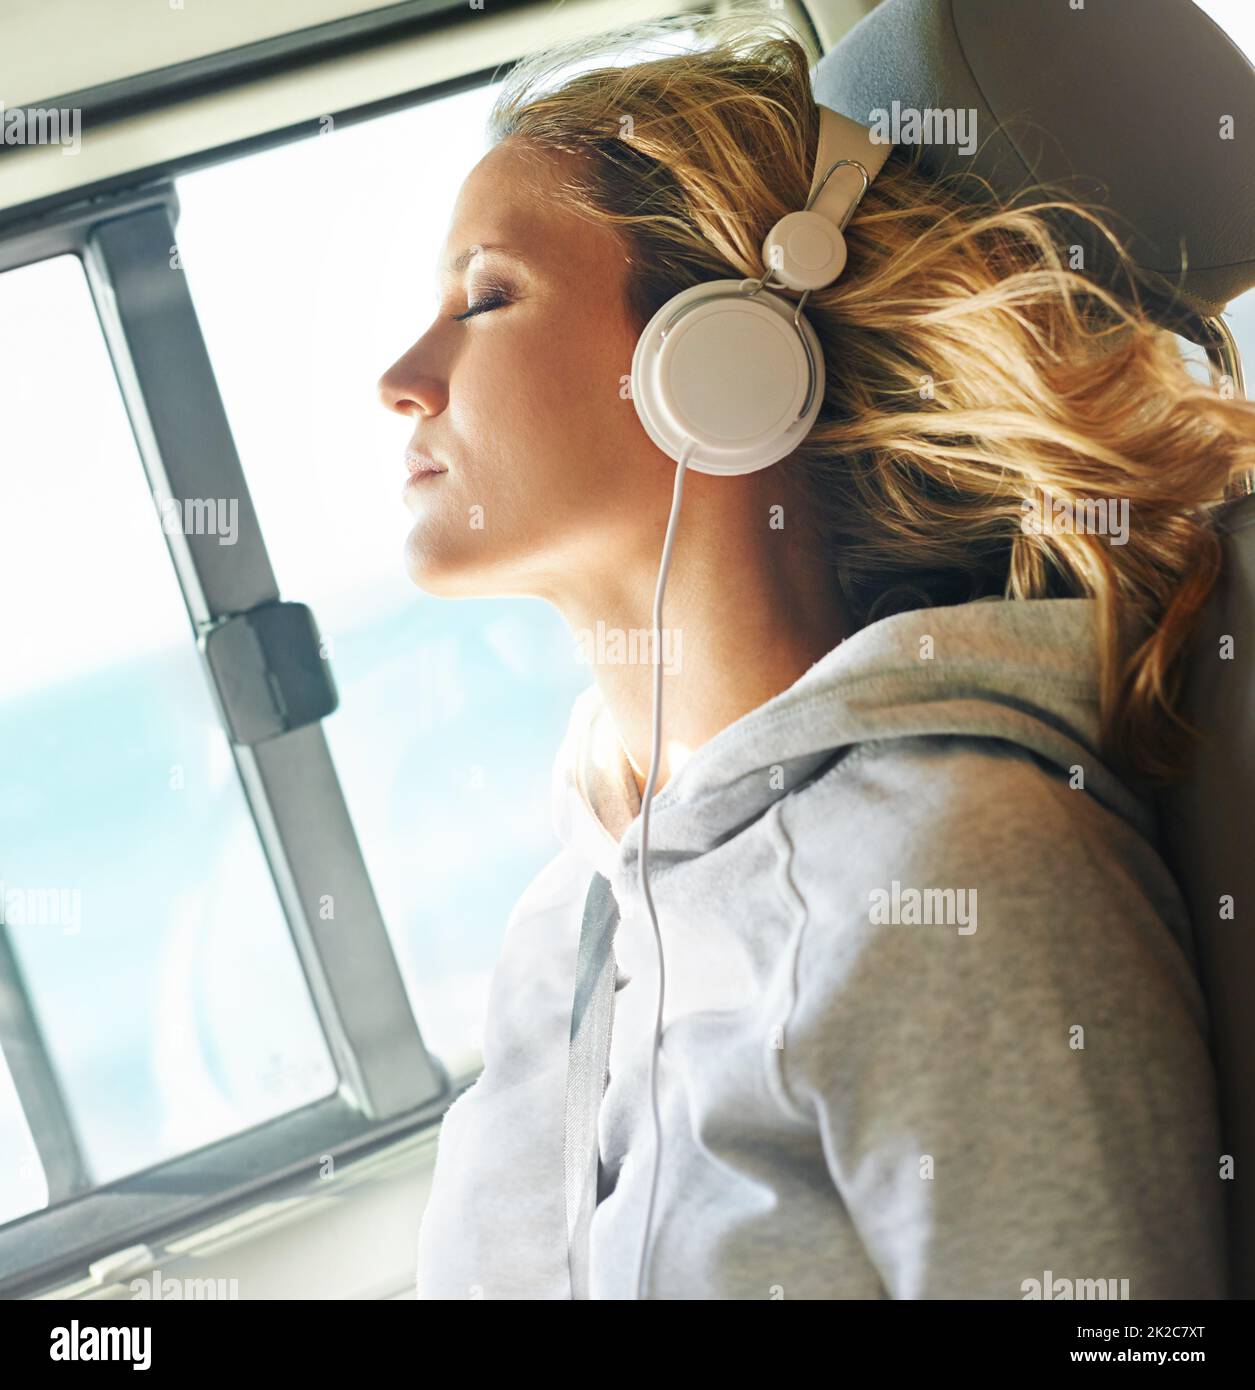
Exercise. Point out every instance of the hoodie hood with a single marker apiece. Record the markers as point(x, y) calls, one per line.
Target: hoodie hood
point(1020, 670)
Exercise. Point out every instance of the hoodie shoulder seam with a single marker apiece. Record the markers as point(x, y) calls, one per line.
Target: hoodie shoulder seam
point(872, 680)
point(777, 1081)
point(1074, 685)
point(795, 903)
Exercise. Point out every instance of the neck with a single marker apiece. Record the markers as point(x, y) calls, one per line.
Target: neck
point(745, 614)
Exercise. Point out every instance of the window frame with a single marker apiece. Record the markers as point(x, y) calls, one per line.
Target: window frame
point(390, 1084)
point(389, 1081)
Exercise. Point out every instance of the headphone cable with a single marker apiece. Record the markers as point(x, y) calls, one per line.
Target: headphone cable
point(647, 797)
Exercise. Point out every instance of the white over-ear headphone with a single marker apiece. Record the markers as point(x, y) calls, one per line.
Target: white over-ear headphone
point(728, 378)
point(734, 370)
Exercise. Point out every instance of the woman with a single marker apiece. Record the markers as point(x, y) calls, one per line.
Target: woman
point(932, 1026)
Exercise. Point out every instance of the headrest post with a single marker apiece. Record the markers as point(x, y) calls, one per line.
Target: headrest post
point(1225, 361)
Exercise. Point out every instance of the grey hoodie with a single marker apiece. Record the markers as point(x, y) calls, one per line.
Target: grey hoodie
point(932, 1027)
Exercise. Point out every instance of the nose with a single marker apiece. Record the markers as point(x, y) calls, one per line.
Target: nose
point(409, 387)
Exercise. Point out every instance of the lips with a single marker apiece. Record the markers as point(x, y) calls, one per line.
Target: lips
point(417, 463)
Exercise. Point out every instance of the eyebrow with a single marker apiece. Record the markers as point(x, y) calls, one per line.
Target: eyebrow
point(461, 261)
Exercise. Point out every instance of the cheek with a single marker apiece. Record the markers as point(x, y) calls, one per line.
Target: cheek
point(551, 400)
point(590, 355)
point(549, 445)
point(578, 379)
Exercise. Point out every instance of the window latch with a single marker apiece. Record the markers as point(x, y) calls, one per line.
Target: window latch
point(269, 671)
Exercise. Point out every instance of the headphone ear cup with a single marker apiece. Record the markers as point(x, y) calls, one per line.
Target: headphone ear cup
point(728, 371)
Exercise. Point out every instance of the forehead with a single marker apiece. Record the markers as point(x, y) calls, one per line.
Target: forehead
point(506, 202)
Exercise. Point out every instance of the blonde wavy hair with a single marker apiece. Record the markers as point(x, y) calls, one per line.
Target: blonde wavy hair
point(969, 371)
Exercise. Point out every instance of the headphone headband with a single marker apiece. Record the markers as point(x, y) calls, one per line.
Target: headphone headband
point(840, 138)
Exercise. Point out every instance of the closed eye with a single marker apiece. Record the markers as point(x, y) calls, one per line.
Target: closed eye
point(493, 300)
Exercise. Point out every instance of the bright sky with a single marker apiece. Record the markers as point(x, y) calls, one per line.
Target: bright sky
point(1236, 18)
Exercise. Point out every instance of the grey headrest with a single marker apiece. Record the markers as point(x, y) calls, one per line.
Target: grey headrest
point(1122, 101)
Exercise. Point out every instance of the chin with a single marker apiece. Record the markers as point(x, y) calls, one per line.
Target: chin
point(433, 569)
point(431, 579)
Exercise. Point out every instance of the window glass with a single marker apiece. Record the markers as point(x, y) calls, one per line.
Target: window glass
point(147, 934)
point(24, 1188)
point(1236, 18)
